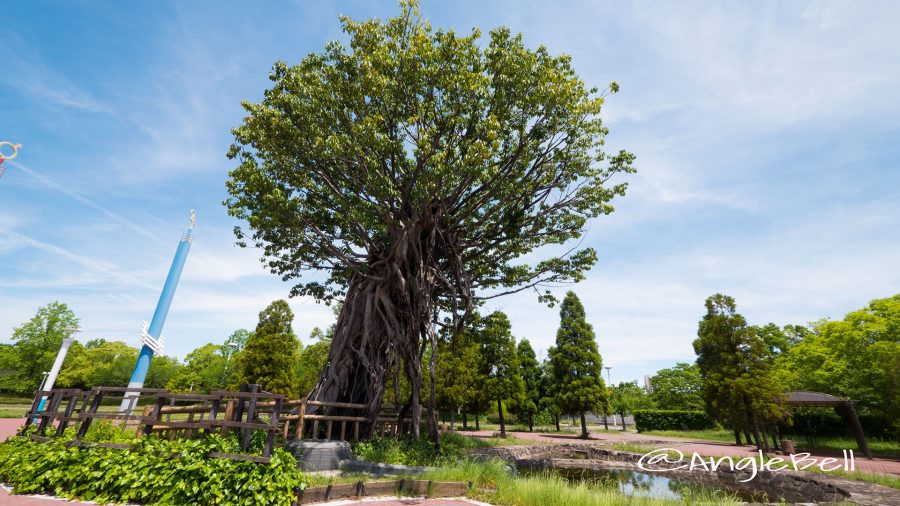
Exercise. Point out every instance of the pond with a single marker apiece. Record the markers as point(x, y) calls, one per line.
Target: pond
point(639, 484)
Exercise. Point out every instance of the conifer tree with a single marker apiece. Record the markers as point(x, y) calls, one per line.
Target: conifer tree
point(269, 356)
point(738, 388)
point(500, 363)
point(530, 371)
point(576, 363)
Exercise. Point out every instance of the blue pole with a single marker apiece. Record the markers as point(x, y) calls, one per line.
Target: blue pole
point(151, 339)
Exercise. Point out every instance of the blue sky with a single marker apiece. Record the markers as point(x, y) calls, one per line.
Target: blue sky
point(766, 135)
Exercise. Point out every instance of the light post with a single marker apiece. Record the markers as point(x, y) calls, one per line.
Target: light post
point(229, 347)
point(609, 382)
point(57, 364)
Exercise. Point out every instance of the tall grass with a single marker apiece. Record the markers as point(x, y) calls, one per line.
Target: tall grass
point(494, 483)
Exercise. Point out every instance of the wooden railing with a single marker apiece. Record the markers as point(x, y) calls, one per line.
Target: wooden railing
point(186, 415)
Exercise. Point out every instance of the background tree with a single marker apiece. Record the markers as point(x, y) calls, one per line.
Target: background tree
point(678, 388)
point(312, 361)
point(857, 357)
point(628, 397)
point(459, 359)
point(577, 365)
point(413, 167)
point(530, 371)
point(738, 388)
point(35, 345)
point(269, 356)
point(98, 363)
point(499, 363)
point(549, 401)
point(203, 370)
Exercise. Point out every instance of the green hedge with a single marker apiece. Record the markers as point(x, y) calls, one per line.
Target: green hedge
point(663, 419)
point(147, 475)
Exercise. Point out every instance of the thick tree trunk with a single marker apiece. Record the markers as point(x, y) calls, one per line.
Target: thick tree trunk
point(737, 437)
point(556, 420)
point(452, 418)
point(605, 421)
point(623, 421)
point(465, 421)
point(530, 422)
point(477, 417)
point(584, 431)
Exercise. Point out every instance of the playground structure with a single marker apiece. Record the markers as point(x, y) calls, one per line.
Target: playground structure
point(172, 415)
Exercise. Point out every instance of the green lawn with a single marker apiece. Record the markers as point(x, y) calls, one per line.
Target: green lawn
point(704, 435)
point(878, 447)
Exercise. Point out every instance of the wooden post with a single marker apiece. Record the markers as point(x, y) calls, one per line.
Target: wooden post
point(251, 414)
point(356, 431)
point(156, 413)
point(70, 407)
point(315, 430)
point(328, 432)
point(299, 434)
point(343, 431)
point(88, 417)
point(229, 415)
point(270, 437)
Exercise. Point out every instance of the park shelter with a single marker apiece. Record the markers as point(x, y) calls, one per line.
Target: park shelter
point(845, 408)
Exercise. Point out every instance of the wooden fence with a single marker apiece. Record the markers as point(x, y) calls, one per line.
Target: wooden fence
point(166, 414)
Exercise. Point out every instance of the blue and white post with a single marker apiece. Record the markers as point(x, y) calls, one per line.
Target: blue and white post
point(151, 338)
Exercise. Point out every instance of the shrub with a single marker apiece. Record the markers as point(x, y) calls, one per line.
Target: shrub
point(148, 473)
point(662, 419)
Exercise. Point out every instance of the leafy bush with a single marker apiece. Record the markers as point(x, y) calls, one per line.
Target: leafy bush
point(662, 419)
point(148, 473)
point(415, 452)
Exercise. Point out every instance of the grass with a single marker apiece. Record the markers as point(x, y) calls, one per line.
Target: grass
point(878, 479)
point(493, 483)
point(879, 447)
point(722, 436)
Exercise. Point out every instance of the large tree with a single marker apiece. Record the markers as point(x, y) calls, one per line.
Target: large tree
point(577, 364)
point(738, 387)
point(269, 357)
point(413, 167)
point(35, 345)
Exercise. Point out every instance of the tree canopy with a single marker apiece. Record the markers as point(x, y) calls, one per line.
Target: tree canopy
point(679, 387)
point(738, 387)
point(576, 363)
point(413, 167)
point(269, 357)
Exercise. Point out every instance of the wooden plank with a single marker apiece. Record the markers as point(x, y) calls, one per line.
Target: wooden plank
point(414, 487)
point(328, 431)
point(376, 488)
point(448, 489)
point(343, 431)
point(312, 495)
point(343, 491)
point(337, 418)
point(327, 404)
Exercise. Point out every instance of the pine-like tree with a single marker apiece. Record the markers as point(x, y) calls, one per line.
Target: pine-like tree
point(269, 356)
point(530, 371)
point(500, 363)
point(576, 363)
point(738, 388)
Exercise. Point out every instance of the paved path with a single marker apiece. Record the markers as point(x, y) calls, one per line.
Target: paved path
point(688, 446)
